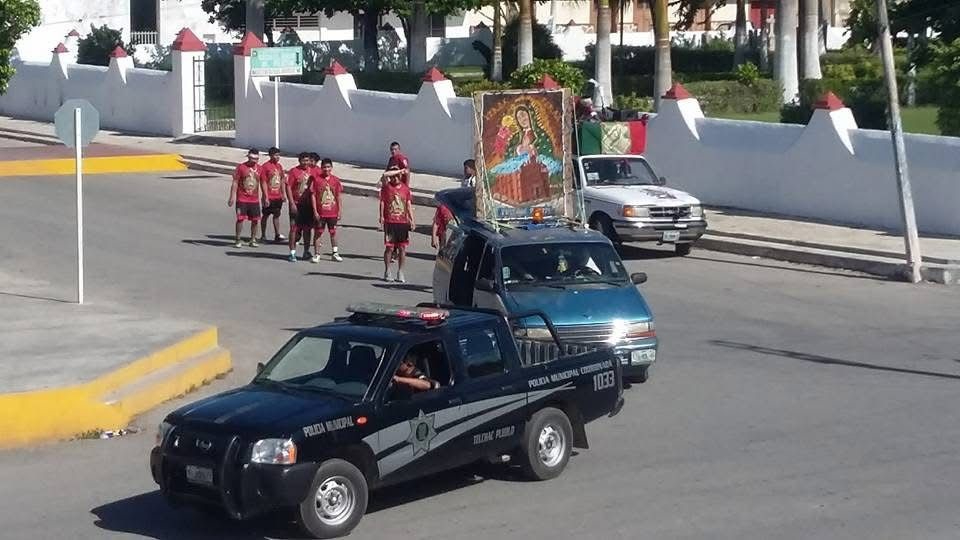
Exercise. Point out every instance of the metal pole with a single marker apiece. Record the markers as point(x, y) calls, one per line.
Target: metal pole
point(910, 236)
point(276, 112)
point(77, 113)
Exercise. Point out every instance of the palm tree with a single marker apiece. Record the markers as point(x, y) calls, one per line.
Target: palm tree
point(603, 94)
point(525, 45)
point(786, 67)
point(810, 40)
point(496, 67)
point(740, 34)
point(417, 40)
point(661, 32)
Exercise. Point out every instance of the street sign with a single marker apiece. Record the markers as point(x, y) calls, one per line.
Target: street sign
point(64, 122)
point(276, 61)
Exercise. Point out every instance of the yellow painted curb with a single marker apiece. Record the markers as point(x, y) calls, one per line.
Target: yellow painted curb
point(94, 165)
point(68, 412)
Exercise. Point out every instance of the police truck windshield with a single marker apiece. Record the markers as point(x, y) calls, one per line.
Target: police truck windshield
point(333, 365)
point(560, 265)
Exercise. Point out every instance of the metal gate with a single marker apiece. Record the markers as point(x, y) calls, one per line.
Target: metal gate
point(213, 98)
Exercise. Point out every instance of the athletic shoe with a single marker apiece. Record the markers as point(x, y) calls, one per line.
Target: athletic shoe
point(253, 243)
point(336, 257)
point(279, 238)
point(307, 256)
point(386, 276)
point(238, 245)
point(315, 259)
point(293, 257)
point(400, 277)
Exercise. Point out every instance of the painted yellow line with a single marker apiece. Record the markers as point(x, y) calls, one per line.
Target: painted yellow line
point(68, 412)
point(94, 165)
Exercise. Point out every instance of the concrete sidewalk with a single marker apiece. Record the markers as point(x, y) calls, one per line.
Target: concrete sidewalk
point(71, 370)
point(730, 230)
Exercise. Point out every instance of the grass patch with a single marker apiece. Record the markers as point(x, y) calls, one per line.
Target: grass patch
point(921, 120)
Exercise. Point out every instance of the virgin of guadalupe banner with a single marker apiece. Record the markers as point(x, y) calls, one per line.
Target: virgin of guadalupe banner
point(523, 154)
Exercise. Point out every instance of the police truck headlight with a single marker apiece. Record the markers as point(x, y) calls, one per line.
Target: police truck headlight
point(696, 211)
point(162, 431)
point(274, 452)
point(636, 211)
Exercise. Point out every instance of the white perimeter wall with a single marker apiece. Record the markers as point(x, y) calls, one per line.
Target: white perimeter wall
point(826, 170)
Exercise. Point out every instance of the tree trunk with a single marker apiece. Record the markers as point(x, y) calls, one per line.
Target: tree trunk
point(603, 94)
point(764, 39)
point(788, 12)
point(256, 17)
point(663, 72)
point(525, 46)
point(371, 50)
point(810, 42)
point(496, 69)
point(740, 34)
point(417, 38)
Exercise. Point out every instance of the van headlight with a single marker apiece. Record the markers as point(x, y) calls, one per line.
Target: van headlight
point(636, 211)
point(622, 330)
point(274, 452)
point(696, 211)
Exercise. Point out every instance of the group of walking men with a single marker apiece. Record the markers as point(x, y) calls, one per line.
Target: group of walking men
point(313, 194)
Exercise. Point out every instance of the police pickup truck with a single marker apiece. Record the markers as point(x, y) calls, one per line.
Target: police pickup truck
point(383, 396)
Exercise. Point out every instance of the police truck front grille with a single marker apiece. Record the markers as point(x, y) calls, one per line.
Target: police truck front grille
point(585, 333)
point(197, 445)
point(670, 212)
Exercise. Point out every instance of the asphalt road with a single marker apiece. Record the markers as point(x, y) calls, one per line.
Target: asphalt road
point(789, 402)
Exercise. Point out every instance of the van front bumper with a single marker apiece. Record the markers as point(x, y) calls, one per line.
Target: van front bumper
point(636, 356)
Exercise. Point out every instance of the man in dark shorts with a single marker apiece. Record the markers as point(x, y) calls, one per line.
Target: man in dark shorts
point(396, 219)
point(245, 189)
point(326, 190)
point(271, 178)
point(298, 194)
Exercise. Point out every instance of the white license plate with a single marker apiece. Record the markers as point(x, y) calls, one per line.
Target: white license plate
point(645, 356)
point(199, 475)
point(671, 236)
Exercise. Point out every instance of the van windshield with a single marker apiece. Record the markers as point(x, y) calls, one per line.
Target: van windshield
point(561, 265)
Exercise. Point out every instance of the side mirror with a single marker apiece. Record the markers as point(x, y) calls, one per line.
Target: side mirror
point(662, 181)
point(485, 285)
point(260, 366)
point(638, 278)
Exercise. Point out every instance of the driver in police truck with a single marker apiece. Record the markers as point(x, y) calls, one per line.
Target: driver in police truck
point(411, 378)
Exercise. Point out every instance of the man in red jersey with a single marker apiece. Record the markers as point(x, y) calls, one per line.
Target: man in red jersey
point(298, 194)
point(441, 219)
point(326, 208)
point(397, 165)
point(245, 189)
point(396, 219)
point(271, 178)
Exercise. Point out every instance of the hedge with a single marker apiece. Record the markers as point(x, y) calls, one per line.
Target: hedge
point(867, 99)
point(640, 60)
point(732, 96)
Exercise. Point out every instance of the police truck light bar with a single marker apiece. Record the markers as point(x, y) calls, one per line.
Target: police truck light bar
point(402, 312)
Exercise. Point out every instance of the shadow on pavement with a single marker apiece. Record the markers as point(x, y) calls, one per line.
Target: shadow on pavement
point(634, 253)
point(148, 515)
point(790, 267)
point(341, 275)
point(827, 360)
point(211, 243)
point(404, 287)
point(34, 297)
point(257, 254)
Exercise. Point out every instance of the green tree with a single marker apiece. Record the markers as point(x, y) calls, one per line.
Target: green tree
point(95, 47)
point(17, 17)
point(946, 65)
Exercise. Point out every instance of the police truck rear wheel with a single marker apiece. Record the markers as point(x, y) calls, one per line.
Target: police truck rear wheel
point(547, 444)
point(336, 501)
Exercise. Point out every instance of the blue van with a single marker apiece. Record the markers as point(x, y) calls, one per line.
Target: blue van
point(571, 273)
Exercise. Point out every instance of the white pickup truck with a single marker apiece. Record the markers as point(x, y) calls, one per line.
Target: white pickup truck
point(626, 201)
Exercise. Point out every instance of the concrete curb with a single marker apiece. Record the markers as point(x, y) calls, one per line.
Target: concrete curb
point(69, 412)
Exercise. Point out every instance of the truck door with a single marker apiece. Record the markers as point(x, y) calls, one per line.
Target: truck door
point(493, 391)
point(443, 267)
point(417, 442)
point(463, 276)
point(489, 299)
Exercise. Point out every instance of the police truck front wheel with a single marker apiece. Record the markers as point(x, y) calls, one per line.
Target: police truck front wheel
point(547, 444)
point(336, 501)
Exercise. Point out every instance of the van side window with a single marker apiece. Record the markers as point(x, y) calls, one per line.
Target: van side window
point(487, 264)
point(481, 354)
point(464, 274)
